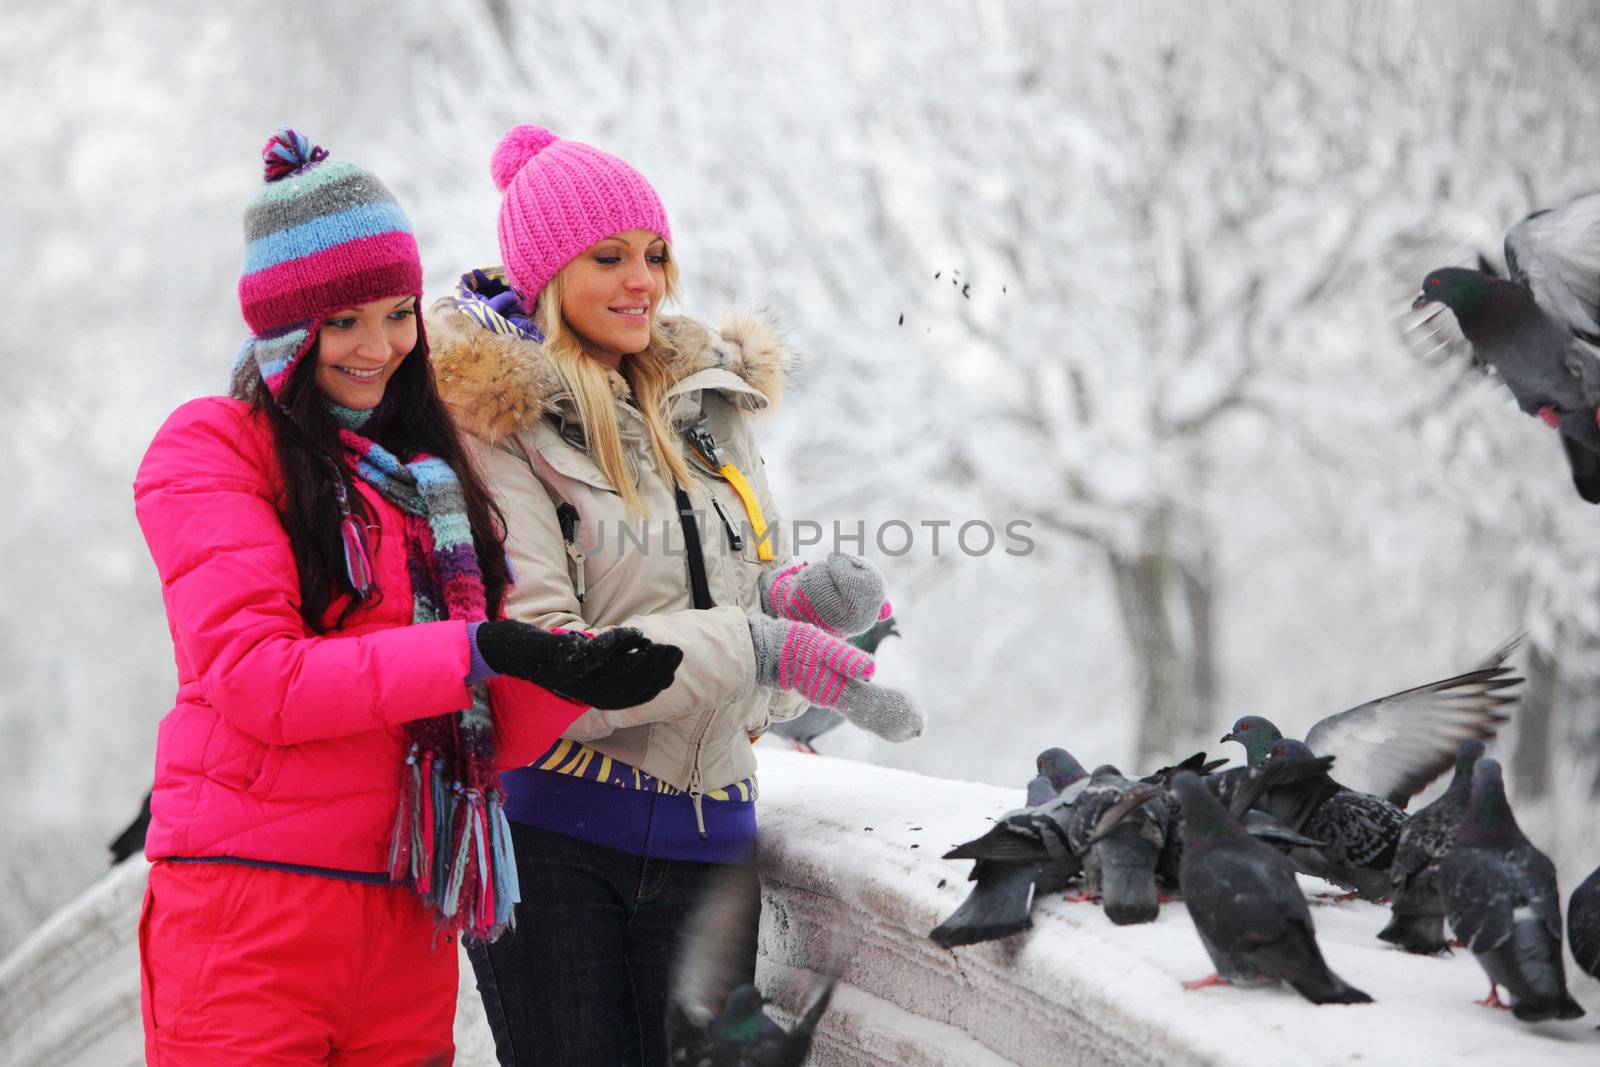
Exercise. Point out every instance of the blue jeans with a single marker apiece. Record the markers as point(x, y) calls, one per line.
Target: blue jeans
point(583, 978)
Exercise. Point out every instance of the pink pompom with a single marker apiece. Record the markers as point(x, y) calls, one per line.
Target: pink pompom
point(520, 144)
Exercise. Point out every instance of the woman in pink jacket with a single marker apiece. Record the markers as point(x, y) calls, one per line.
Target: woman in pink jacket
point(326, 815)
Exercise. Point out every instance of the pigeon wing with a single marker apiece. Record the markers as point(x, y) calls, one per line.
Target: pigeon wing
point(1556, 254)
point(1394, 746)
point(1432, 333)
point(1535, 879)
point(791, 1050)
point(715, 948)
point(1478, 897)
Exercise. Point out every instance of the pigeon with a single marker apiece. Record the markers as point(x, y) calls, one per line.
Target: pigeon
point(1120, 859)
point(1024, 853)
point(1500, 894)
point(1418, 921)
point(1359, 832)
point(1583, 924)
point(817, 720)
point(1247, 906)
point(1395, 745)
point(715, 1017)
point(1256, 823)
point(130, 841)
point(1539, 328)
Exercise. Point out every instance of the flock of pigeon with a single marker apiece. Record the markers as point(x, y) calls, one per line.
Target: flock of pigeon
point(1230, 843)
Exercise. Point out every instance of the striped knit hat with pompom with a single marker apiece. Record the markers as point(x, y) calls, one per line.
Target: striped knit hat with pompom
point(323, 236)
point(560, 198)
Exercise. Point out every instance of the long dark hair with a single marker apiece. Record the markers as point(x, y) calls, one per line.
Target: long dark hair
point(310, 456)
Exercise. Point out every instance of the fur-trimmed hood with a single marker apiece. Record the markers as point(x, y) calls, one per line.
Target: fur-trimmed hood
point(497, 384)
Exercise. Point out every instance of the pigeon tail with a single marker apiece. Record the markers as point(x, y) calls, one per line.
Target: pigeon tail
point(997, 907)
point(1530, 967)
point(1127, 865)
point(1327, 988)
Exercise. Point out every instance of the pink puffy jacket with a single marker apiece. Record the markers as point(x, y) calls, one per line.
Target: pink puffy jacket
point(286, 745)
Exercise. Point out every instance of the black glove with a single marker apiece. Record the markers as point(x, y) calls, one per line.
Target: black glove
point(617, 669)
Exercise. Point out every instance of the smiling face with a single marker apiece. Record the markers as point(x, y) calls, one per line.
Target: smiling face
point(610, 292)
point(360, 348)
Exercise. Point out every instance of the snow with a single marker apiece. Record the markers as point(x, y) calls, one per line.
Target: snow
point(852, 881)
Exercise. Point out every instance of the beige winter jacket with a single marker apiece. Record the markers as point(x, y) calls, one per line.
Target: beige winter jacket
point(697, 734)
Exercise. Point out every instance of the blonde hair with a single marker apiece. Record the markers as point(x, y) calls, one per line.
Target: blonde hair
point(590, 385)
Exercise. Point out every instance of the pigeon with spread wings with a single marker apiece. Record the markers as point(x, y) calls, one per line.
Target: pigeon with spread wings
point(1394, 746)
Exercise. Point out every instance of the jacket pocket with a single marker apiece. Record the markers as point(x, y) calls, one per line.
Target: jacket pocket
point(233, 759)
point(571, 463)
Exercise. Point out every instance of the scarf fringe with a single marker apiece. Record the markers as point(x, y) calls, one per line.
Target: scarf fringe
point(452, 845)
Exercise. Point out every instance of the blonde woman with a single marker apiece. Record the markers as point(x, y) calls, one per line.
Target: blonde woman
point(618, 444)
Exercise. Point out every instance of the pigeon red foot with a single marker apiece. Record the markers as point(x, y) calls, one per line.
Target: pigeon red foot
point(1208, 980)
point(1551, 419)
point(1083, 896)
point(1493, 999)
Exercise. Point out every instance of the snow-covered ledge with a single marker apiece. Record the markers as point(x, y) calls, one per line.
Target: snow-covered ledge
point(853, 881)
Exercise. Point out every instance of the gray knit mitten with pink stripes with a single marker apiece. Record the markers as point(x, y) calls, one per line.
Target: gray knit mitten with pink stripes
point(832, 673)
point(843, 595)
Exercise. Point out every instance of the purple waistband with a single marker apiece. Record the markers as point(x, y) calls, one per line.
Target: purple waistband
point(636, 821)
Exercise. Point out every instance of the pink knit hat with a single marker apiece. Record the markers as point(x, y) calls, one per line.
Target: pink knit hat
point(560, 198)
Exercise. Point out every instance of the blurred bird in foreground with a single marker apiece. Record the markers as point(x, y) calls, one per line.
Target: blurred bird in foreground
point(715, 1017)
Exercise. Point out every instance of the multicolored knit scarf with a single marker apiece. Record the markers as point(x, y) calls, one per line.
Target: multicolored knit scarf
point(325, 236)
point(451, 840)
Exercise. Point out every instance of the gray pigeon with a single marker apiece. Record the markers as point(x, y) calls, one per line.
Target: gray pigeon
point(1119, 861)
point(1539, 329)
point(1247, 907)
point(803, 730)
point(1418, 921)
point(1583, 924)
point(1024, 853)
point(1394, 746)
point(1258, 824)
point(1500, 894)
point(1359, 832)
point(715, 1018)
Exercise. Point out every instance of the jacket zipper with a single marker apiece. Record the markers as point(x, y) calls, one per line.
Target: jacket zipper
point(696, 793)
